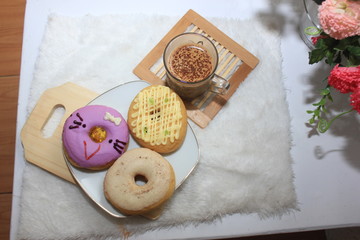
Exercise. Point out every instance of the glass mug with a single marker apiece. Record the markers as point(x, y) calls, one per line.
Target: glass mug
point(190, 61)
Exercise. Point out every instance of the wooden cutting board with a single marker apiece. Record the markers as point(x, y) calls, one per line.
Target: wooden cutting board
point(46, 152)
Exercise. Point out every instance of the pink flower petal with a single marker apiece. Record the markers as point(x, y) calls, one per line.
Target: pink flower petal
point(340, 18)
point(355, 100)
point(345, 79)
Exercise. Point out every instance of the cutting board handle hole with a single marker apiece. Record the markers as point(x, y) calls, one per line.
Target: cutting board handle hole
point(53, 121)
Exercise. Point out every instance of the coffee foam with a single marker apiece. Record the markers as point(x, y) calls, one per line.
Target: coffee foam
point(190, 63)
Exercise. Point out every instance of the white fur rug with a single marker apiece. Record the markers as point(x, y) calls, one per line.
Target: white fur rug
point(245, 165)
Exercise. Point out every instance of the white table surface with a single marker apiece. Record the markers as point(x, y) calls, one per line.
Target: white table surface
point(326, 167)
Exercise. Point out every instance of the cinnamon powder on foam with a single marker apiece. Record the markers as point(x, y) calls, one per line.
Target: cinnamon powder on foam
point(190, 63)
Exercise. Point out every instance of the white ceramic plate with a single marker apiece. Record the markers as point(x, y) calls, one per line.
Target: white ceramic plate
point(183, 160)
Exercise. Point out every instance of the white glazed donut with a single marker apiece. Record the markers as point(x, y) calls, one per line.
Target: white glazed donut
point(131, 198)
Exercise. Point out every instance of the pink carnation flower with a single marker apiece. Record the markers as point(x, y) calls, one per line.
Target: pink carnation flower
point(340, 18)
point(345, 79)
point(355, 100)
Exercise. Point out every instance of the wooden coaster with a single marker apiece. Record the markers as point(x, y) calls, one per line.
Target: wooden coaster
point(235, 63)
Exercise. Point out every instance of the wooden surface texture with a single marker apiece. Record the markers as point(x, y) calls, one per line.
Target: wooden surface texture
point(11, 32)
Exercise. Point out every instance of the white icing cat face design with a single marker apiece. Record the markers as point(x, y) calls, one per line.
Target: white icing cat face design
point(118, 145)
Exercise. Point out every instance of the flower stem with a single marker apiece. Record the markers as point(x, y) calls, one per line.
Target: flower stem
point(324, 125)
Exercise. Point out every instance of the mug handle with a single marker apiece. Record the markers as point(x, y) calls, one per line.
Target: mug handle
point(219, 85)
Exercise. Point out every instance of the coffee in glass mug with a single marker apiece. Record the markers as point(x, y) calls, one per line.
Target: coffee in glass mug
point(190, 60)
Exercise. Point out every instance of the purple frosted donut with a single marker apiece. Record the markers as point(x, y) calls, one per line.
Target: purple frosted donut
point(94, 137)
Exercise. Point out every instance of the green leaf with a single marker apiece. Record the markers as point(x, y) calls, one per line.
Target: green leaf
point(341, 46)
point(352, 54)
point(309, 111)
point(329, 42)
point(330, 98)
point(322, 102)
point(329, 57)
point(325, 91)
point(321, 44)
point(316, 55)
point(354, 50)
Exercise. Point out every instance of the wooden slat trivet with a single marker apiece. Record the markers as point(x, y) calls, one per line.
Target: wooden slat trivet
point(235, 63)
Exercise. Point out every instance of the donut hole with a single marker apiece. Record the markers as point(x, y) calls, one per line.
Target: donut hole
point(140, 180)
point(97, 134)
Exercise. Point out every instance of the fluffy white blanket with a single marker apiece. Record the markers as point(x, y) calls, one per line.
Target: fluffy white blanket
point(245, 164)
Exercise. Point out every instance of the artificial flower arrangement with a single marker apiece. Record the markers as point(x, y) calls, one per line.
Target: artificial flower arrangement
point(339, 45)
